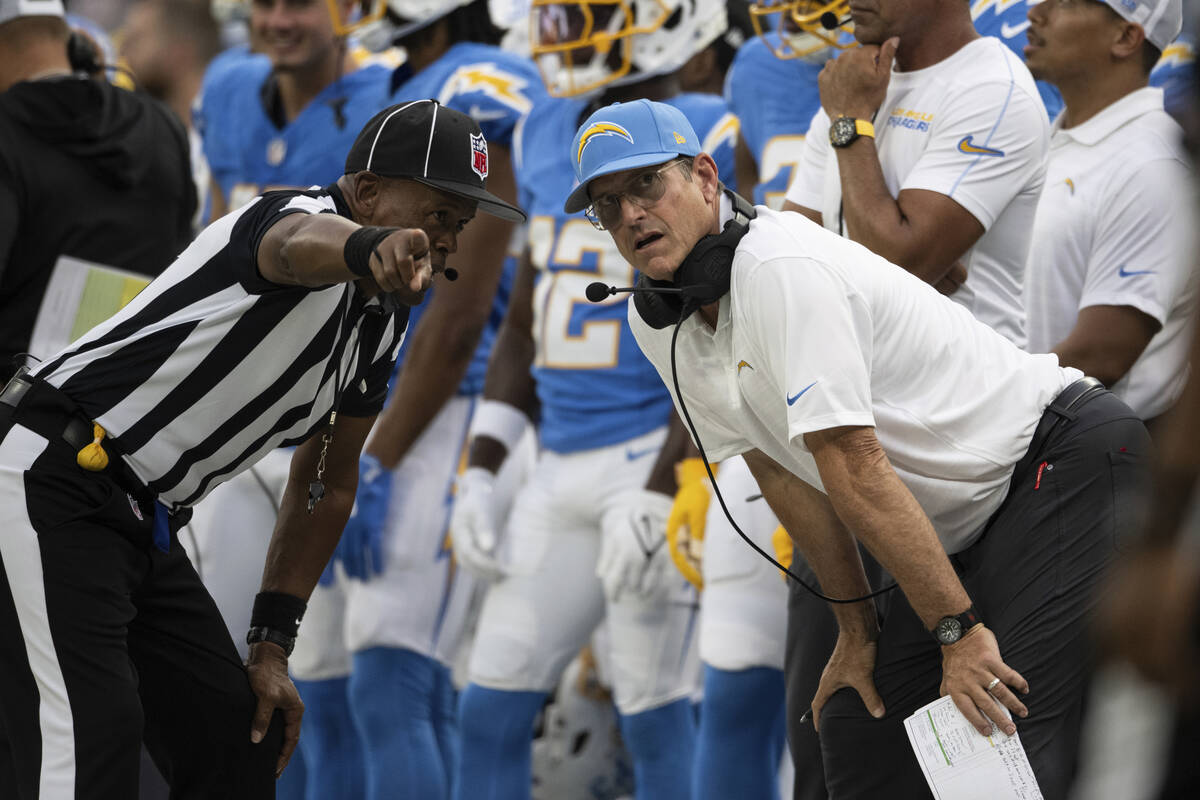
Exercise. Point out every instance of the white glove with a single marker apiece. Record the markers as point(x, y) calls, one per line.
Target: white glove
point(473, 524)
point(633, 555)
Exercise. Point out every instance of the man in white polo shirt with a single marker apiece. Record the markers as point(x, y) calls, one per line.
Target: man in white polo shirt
point(1109, 286)
point(935, 163)
point(986, 480)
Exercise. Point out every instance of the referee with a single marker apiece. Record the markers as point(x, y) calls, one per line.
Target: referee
point(277, 326)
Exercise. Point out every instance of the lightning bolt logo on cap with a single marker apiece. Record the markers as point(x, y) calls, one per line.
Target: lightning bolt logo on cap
point(601, 129)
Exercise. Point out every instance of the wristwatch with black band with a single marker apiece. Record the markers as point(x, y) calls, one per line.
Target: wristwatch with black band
point(263, 634)
point(844, 131)
point(950, 629)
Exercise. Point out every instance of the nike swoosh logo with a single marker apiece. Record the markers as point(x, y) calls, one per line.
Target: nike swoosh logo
point(792, 400)
point(634, 455)
point(483, 115)
point(968, 146)
point(1009, 31)
point(743, 364)
point(1129, 273)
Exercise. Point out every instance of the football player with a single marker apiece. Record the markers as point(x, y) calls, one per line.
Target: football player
point(584, 541)
point(258, 113)
point(285, 117)
point(408, 602)
point(781, 66)
point(743, 624)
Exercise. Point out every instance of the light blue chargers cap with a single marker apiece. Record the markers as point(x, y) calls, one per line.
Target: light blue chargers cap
point(627, 136)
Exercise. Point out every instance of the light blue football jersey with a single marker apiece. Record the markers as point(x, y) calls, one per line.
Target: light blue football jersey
point(1008, 21)
point(775, 100)
point(595, 386)
point(1175, 73)
point(497, 89)
point(248, 154)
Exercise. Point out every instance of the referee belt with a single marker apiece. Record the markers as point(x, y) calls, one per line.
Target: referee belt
point(76, 429)
point(49, 412)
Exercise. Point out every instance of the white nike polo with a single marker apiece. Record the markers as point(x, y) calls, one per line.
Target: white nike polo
point(1113, 229)
point(818, 332)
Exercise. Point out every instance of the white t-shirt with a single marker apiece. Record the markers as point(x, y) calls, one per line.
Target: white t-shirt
point(1113, 229)
point(971, 127)
point(819, 332)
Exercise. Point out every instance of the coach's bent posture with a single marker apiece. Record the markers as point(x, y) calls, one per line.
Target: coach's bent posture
point(989, 482)
point(270, 329)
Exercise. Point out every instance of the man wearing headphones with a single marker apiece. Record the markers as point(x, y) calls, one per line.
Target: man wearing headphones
point(988, 482)
point(123, 156)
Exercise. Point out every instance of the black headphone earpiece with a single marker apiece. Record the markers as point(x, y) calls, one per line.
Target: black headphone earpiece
point(82, 54)
point(705, 273)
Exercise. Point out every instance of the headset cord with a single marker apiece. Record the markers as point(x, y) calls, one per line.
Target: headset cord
point(717, 491)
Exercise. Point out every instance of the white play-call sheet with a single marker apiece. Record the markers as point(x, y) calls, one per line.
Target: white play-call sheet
point(961, 764)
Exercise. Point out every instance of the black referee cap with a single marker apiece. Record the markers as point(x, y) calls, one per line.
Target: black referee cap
point(425, 141)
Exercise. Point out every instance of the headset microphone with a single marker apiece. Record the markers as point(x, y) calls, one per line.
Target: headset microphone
point(451, 273)
point(597, 291)
point(830, 21)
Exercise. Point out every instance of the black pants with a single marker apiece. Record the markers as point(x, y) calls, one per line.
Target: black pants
point(1033, 577)
point(105, 641)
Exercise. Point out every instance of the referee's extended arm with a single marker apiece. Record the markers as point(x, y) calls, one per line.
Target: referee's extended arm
point(300, 547)
point(309, 250)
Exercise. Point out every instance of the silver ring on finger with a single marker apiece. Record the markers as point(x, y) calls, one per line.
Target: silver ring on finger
point(992, 685)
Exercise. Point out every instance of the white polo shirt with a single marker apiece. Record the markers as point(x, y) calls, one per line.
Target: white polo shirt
point(818, 332)
point(1113, 229)
point(971, 127)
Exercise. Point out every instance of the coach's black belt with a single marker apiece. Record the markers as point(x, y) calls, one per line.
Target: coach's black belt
point(1063, 407)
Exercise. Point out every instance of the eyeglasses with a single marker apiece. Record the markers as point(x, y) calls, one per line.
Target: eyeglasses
point(644, 190)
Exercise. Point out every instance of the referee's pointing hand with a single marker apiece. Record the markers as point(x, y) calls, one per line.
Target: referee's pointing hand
point(401, 262)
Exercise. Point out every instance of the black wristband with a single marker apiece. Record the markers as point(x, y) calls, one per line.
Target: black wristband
point(361, 244)
point(278, 611)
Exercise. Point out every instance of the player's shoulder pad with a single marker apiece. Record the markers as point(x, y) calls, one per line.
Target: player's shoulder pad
point(486, 82)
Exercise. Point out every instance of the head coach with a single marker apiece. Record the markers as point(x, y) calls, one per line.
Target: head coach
point(278, 325)
point(990, 483)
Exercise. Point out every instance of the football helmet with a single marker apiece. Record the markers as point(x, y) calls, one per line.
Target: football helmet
point(377, 29)
point(583, 45)
point(579, 754)
point(362, 16)
point(803, 28)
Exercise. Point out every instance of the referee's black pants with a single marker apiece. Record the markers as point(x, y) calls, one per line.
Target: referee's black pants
point(106, 641)
point(1033, 576)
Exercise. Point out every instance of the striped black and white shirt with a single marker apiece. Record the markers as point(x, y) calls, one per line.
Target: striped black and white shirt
point(211, 366)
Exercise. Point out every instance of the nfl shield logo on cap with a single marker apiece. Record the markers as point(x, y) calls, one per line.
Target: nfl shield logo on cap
point(479, 155)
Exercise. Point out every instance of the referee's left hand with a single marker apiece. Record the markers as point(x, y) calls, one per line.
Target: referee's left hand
point(267, 668)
